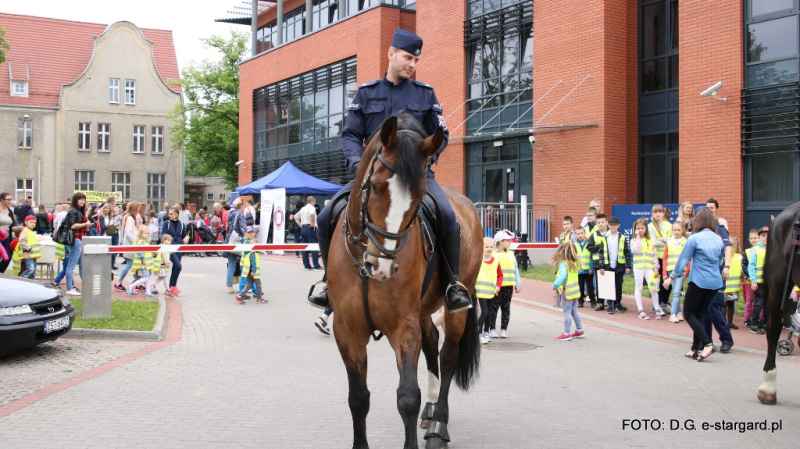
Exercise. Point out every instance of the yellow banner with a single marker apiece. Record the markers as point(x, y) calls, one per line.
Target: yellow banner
point(100, 197)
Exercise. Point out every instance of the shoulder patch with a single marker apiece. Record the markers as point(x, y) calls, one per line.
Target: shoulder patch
point(420, 83)
point(371, 83)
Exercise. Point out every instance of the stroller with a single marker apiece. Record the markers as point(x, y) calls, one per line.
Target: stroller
point(206, 236)
point(786, 346)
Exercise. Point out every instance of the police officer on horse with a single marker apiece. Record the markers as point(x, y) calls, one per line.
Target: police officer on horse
point(375, 101)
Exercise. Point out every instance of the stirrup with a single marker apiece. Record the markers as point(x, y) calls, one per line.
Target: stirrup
point(459, 286)
point(311, 294)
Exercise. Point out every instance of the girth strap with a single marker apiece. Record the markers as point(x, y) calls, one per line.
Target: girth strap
point(364, 284)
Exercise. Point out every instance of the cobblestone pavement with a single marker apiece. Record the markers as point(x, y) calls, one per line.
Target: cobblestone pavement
point(263, 376)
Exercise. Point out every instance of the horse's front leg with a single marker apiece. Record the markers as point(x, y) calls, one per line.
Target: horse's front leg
point(406, 344)
point(430, 347)
point(353, 349)
point(768, 391)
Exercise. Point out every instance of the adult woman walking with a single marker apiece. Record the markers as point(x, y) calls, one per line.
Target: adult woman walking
point(78, 225)
point(7, 222)
point(128, 228)
point(42, 221)
point(236, 227)
point(707, 253)
point(174, 227)
point(104, 220)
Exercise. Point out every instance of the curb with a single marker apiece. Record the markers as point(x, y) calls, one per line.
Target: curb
point(155, 335)
point(650, 333)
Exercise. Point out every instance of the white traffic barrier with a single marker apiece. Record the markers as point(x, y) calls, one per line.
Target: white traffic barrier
point(108, 249)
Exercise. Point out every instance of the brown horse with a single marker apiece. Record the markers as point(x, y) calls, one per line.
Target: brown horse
point(371, 253)
point(780, 246)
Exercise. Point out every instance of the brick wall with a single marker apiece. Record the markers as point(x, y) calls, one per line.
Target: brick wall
point(711, 49)
point(573, 39)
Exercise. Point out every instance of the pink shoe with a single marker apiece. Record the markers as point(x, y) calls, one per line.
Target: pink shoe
point(239, 299)
point(578, 334)
point(563, 337)
point(674, 318)
point(176, 290)
point(680, 316)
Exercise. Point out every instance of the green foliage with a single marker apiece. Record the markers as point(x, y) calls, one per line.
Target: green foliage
point(207, 123)
point(4, 45)
point(125, 315)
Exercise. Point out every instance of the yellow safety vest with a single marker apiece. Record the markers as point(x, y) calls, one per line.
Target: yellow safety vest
point(145, 262)
point(584, 256)
point(589, 233)
point(157, 263)
point(760, 259)
point(16, 264)
point(565, 236)
point(620, 250)
point(487, 279)
point(35, 252)
point(665, 232)
point(508, 263)
point(247, 269)
point(572, 289)
point(734, 282)
point(674, 250)
point(644, 260)
point(61, 251)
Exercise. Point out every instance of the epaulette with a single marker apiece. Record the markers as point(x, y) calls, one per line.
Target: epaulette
point(371, 83)
point(420, 83)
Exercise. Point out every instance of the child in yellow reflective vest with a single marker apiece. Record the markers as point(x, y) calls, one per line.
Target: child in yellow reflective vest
point(660, 231)
point(733, 285)
point(142, 263)
point(161, 266)
point(511, 282)
point(758, 256)
point(490, 279)
point(251, 270)
point(672, 252)
point(586, 275)
point(566, 283)
point(645, 264)
point(27, 251)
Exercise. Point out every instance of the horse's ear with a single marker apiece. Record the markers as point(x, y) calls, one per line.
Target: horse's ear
point(389, 132)
point(433, 142)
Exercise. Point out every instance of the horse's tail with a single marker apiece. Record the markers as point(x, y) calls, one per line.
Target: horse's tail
point(469, 352)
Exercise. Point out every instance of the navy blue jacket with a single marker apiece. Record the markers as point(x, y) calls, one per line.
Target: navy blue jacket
point(174, 228)
point(380, 99)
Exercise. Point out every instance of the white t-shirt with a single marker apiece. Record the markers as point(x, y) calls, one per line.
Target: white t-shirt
point(252, 211)
point(306, 213)
point(57, 219)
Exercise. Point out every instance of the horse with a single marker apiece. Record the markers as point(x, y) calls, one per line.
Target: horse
point(375, 281)
point(780, 272)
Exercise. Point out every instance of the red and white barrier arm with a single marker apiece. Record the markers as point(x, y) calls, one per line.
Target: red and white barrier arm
point(536, 245)
point(108, 249)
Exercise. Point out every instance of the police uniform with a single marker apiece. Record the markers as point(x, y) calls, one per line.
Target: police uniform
point(373, 103)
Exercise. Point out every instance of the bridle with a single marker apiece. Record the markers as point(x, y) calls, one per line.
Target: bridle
point(369, 229)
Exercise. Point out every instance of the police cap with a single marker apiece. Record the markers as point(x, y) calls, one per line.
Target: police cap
point(408, 41)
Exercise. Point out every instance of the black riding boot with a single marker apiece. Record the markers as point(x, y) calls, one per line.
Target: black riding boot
point(456, 297)
point(320, 299)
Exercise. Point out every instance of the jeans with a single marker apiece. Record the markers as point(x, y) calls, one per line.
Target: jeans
point(233, 260)
point(64, 264)
point(242, 282)
point(716, 316)
point(114, 242)
point(75, 259)
point(695, 307)
point(488, 232)
point(126, 267)
point(677, 286)
point(570, 308)
point(30, 269)
point(255, 285)
point(297, 237)
point(309, 236)
point(175, 258)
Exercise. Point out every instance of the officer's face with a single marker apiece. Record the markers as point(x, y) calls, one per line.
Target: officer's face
point(402, 63)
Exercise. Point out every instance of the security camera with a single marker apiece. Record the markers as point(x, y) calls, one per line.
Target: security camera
point(238, 163)
point(712, 90)
point(532, 139)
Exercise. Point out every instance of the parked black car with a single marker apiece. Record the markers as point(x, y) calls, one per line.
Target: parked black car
point(31, 313)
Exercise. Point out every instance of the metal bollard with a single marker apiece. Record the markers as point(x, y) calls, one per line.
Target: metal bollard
point(96, 279)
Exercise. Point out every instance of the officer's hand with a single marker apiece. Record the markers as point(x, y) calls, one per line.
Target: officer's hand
point(354, 169)
point(754, 286)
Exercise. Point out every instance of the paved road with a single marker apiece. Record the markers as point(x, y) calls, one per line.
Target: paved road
point(263, 376)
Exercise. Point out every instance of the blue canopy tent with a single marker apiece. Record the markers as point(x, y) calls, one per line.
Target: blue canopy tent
point(291, 178)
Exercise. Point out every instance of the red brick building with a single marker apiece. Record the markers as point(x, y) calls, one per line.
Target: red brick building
point(610, 90)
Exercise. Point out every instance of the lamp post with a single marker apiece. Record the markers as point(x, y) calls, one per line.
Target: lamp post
point(25, 119)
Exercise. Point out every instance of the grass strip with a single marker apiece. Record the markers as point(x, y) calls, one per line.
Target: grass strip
point(125, 315)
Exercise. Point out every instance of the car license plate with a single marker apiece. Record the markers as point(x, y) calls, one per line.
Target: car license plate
point(57, 324)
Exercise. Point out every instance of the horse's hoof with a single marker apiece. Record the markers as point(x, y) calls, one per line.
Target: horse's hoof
point(435, 443)
point(767, 398)
point(424, 423)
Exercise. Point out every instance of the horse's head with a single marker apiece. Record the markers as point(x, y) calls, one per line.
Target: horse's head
point(392, 185)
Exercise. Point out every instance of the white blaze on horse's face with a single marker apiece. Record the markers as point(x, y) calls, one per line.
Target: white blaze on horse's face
point(399, 203)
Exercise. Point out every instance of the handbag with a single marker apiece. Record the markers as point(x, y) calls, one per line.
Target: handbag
point(249, 219)
point(65, 236)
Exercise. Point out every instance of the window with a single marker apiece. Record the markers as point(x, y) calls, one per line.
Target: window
point(24, 131)
point(221, 196)
point(113, 90)
point(158, 140)
point(138, 139)
point(19, 88)
point(121, 182)
point(209, 197)
point(84, 180)
point(27, 191)
point(773, 55)
point(156, 189)
point(103, 137)
point(130, 92)
point(302, 116)
point(84, 136)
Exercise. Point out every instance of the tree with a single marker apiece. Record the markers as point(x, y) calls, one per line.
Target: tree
point(206, 125)
point(4, 45)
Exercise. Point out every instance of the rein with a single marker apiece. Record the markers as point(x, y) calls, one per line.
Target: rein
point(369, 230)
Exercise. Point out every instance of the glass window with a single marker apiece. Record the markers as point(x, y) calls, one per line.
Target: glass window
point(156, 189)
point(767, 73)
point(84, 136)
point(294, 109)
point(773, 175)
point(491, 59)
point(130, 92)
point(336, 99)
point(772, 39)
point(654, 75)
point(24, 133)
point(121, 182)
point(510, 54)
point(321, 103)
point(653, 179)
point(103, 137)
point(761, 7)
point(113, 90)
point(27, 191)
point(654, 144)
point(138, 139)
point(673, 18)
point(158, 140)
point(654, 31)
point(84, 180)
point(673, 71)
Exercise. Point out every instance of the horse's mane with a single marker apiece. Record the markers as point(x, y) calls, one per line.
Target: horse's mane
point(407, 159)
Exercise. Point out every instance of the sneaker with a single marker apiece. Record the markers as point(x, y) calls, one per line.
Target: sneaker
point(73, 292)
point(139, 288)
point(621, 308)
point(307, 268)
point(322, 326)
point(129, 290)
point(54, 284)
point(493, 334)
point(262, 301)
point(578, 334)
point(674, 318)
point(665, 306)
point(239, 299)
point(176, 290)
point(118, 288)
point(150, 295)
point(652, 310)
point(482, 339)
point(503, 333)
point(610, 311)
point(748, 323)
point(599, 307)
point(757, 330)
point(318, 269)
point(488, 338)
point(167, 292)
point(564, 337)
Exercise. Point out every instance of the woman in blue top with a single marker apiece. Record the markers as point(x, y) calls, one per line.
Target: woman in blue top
point(174, 227)
point(707, 253)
